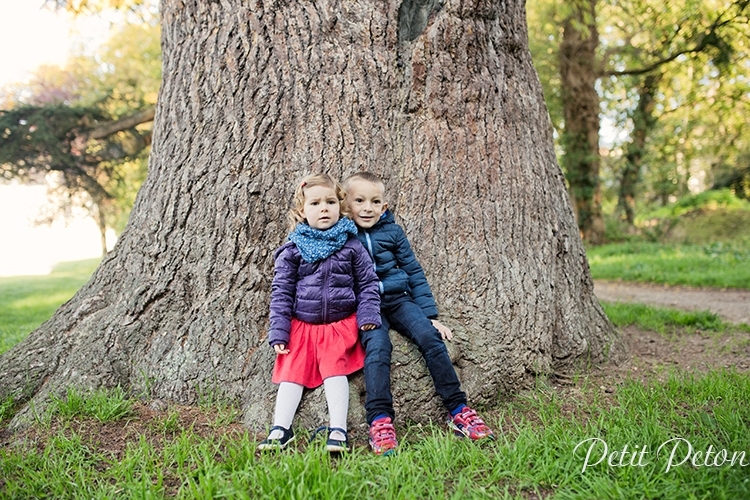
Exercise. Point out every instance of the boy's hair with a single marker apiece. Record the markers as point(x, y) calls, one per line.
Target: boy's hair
point(298, 202)
point(363, 176)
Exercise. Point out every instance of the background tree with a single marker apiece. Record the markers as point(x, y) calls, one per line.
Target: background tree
point(60, 139)
point(643, 120)
point(88, 122)
point(580, 137)
point(639, 38)
point(439, 98)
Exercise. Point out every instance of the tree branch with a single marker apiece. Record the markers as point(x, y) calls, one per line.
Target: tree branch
point(653, 66)
point(109, 128)
point(704, 41)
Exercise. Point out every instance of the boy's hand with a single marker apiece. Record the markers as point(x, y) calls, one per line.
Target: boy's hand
point(368, 326)
point(281, 349)
point(445, 332)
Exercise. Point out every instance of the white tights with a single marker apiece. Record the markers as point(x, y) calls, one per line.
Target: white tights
point(290, 394)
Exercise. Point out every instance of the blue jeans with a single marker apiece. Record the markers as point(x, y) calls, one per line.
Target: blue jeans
point(407, 318)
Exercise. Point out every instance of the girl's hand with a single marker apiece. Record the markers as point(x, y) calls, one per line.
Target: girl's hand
point(281, 349)
point(368, 327)
point(445, 332)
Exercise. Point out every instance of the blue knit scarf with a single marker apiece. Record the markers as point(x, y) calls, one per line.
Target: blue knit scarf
point(315, 244)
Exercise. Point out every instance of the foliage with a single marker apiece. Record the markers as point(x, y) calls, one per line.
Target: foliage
point(700, 135)
point(28, 301)
point(618, 230)
point(541, 452)
point(707, 200)
point(694, 135)
point(129, 69)
point(699, 112)
point(545, 31)
point(690, 204)
point(718, 227)
point(708, 217)
point(97, 6)
point(716, 215)
point(735, 177)
point(127, 180)
point(38, 140)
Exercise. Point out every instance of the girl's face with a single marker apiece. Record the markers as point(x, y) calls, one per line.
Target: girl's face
point(321, 208)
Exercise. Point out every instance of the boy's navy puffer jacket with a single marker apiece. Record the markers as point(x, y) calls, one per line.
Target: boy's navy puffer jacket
point(322, 292)
point(395, 263)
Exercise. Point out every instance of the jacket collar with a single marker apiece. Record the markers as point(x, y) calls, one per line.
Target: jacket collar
point(386, 218)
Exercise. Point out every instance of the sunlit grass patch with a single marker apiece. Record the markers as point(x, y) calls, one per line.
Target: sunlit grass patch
point(715, 265)
point(660, 319)
point(28, 301)
point(723, 265)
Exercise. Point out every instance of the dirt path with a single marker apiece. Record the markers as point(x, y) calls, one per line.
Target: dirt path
point(730, 304)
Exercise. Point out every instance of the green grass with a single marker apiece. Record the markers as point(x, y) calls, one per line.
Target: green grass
point(28, 301)
point(538, 454)
point(629, 439)
point(104, 406)
point(660, 319)
point(723, 265)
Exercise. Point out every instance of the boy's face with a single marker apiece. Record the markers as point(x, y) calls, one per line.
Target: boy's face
point(366, 202)
point(321, 208)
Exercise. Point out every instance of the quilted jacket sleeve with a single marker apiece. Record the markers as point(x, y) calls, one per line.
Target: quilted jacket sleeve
point(283, 291)
point(365, 287)
point(420, 289)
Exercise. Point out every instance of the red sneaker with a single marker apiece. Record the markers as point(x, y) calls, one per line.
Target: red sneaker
point(383, 436)
point(468, 424)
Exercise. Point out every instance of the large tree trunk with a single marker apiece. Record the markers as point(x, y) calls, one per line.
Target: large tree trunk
point(441, 99)
point(580, 138)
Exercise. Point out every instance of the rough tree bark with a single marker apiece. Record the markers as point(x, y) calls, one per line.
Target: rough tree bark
point(439, 98)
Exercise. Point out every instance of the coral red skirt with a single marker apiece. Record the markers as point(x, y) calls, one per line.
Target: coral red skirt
point(317, 352)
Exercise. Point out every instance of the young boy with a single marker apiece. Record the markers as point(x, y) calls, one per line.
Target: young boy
point(407, 305)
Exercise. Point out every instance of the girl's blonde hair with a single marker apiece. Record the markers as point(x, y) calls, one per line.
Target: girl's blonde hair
point(295, 215)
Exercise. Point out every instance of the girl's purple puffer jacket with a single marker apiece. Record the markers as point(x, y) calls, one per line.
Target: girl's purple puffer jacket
point(322, 292)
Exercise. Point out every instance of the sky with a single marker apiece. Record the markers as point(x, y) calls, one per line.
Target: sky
point(30, 36)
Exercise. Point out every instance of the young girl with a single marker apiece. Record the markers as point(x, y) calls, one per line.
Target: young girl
point(324, 291)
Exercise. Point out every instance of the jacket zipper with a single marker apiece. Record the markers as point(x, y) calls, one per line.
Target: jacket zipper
point(372, 256)
point(326, 278)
